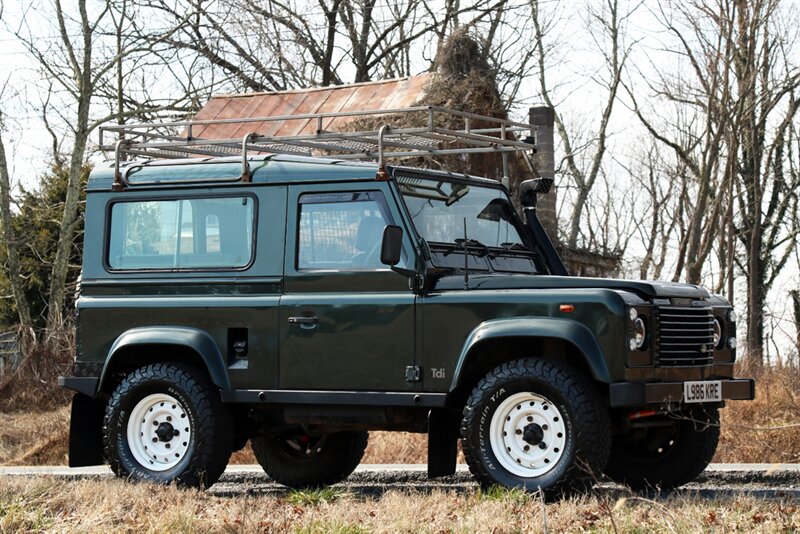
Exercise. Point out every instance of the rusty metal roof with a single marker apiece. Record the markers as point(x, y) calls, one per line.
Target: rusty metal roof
point(385, 94)
point(361, 121)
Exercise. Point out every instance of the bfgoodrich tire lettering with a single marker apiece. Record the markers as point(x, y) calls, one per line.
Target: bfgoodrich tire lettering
point(298, 460)
point(200, 442)
point(666, 457)
point(558, 400)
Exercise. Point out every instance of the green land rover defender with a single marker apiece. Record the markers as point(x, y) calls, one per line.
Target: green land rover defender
point(300, 302)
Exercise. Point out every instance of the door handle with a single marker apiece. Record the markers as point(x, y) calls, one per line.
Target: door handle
point(303, 320)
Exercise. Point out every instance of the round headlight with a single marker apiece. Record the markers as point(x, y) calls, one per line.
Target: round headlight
point(717, 333)
point(639, 334)
point(732, 316)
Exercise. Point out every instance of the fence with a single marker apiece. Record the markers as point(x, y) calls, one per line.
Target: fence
point(10, 352)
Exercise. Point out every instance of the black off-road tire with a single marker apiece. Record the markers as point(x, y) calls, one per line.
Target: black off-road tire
point(585, 422)
point(208, 448)
point(686, 450)
point(331, 457)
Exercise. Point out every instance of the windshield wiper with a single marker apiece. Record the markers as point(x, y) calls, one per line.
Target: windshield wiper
point(509, 247)
point(468, 245)
point(474, 243)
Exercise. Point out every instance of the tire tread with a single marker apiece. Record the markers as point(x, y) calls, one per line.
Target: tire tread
point(214, 427)
point(592, 436)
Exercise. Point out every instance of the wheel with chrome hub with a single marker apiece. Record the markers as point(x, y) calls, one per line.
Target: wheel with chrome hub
point(534, 424)
point(165, 423)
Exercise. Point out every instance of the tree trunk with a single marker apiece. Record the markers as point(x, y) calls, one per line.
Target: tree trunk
point(575, 222)
point(756, 297)
point(21, 301)
point(69, 221)
point(330, 41)
point(796, 308)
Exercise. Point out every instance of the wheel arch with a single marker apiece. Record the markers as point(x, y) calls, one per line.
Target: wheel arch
point(499, 340)
point(139, 346)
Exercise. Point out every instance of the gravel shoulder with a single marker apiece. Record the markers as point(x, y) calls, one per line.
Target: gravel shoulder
point(769, 481)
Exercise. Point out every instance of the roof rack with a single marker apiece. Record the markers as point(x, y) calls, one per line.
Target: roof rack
point(317, 134)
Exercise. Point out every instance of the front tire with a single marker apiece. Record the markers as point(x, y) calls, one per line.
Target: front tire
point(165, 423)
point(668, 456)
point(299, 460)
point(534, 424)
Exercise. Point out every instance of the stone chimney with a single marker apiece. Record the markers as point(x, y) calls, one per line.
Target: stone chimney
point(544, 164)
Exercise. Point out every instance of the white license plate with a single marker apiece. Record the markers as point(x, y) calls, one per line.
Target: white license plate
point(702, 391)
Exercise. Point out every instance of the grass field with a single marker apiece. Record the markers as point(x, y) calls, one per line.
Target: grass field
point(33, 505)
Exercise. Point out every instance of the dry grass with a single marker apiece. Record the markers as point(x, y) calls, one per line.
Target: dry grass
point(117, 506)
point(37, 438)
point(33, 386)
point(768, 428)
point(765, 430)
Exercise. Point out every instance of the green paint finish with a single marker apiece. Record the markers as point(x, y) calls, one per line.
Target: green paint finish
point(336, 319)
point(456, 321)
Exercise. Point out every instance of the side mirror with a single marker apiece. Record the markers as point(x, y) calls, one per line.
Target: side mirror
point(391, 245)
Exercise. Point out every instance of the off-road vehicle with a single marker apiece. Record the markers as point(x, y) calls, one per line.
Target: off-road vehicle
point(300, 302)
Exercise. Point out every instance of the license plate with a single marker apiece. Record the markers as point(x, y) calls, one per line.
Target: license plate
point(702, 391)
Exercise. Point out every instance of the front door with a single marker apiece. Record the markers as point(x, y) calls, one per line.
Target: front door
point(346, 320)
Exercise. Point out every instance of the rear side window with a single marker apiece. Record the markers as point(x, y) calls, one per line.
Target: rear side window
point(196, 233)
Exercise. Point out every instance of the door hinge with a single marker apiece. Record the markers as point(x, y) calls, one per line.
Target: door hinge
point(413, 373)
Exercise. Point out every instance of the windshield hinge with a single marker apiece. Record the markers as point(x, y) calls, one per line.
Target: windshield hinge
point(413, 373)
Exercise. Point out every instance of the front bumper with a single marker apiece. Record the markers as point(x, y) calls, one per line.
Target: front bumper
point(641, 393)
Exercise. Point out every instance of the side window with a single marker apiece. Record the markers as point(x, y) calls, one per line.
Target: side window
point(341, 231)
point(197, 233)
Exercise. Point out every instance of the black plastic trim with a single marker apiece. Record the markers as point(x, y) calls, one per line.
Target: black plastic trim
point(341, 398)
point(82, 384)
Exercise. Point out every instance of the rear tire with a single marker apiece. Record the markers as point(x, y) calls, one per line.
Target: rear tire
point(665, 458)
point(298, 460)
point(165, 423)
point(534, 424)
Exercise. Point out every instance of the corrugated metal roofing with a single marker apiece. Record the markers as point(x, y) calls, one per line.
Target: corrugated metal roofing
point(385, 94)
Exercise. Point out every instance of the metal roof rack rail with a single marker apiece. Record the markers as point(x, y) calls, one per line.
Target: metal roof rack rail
point(318, 136)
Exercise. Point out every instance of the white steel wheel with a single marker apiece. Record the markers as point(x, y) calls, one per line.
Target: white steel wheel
point(528, 435)
point(159, 432)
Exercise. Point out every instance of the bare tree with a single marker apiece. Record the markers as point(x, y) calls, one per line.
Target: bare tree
point(10, 239)
point(611, 23)
point(79, 63)
point(767, 82)
point(732, 129)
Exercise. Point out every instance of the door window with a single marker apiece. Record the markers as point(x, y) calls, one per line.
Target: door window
point(341, 231)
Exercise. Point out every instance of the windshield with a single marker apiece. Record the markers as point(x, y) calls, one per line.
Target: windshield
point(439, 210)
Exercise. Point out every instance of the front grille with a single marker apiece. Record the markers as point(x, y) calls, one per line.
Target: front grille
point(685, 336)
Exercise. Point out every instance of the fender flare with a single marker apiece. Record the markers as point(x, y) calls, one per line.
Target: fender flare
point(568, 330)
point(193, 338)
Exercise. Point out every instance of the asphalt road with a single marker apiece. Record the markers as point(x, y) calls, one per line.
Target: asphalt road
point(767, 481)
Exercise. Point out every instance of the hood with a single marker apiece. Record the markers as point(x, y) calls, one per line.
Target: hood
point(644, 288)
